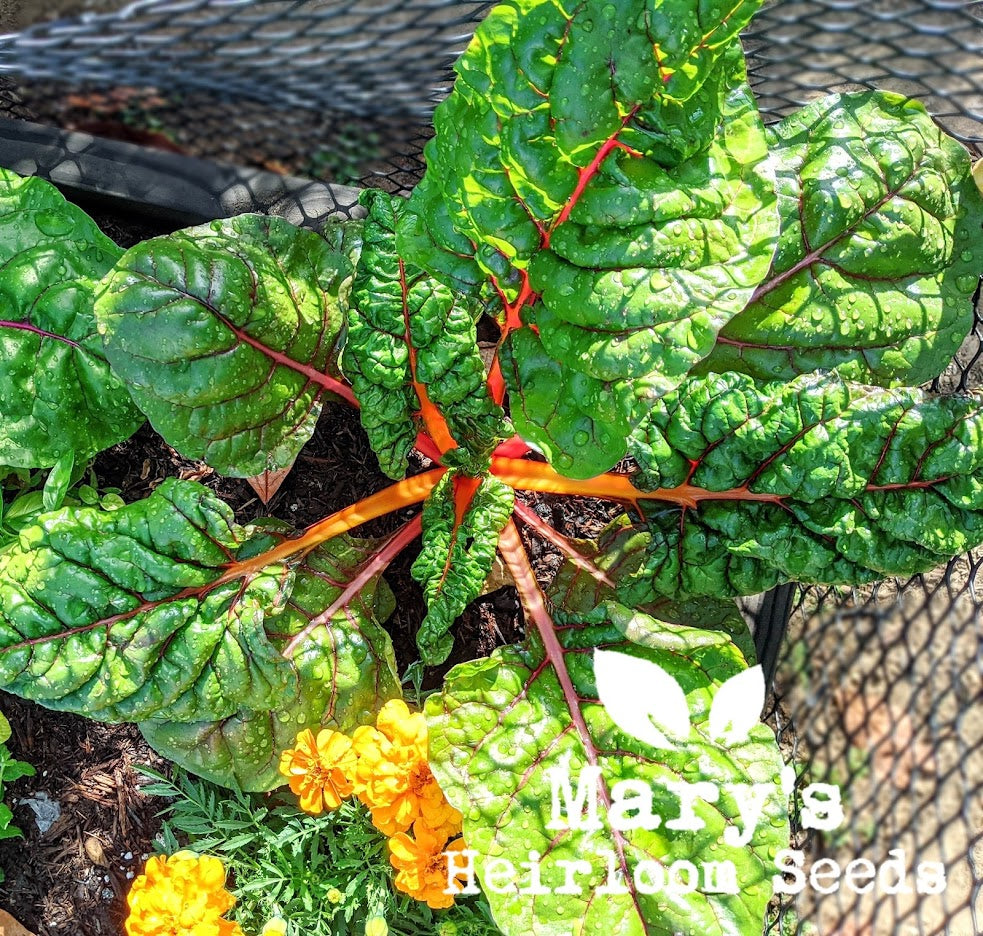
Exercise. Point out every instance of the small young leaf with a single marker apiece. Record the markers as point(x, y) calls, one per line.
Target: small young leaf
point(57, 393)
point(642, 699)
point(57, 483)
point(411, 342)
point(226, 335)
point(24, 506)
point(460, 537)
point(880, 250)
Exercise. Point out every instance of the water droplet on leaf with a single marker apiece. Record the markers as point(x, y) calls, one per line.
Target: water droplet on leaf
point(53, 223)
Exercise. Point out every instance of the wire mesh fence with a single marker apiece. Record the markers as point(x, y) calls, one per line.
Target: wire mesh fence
point(878, 690)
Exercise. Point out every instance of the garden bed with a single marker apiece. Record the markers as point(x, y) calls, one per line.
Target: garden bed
point(71, 878)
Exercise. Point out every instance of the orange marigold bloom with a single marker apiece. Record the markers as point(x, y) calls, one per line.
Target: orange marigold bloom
point(393, 776)
point(320, 769)
point(183, 895)
point(422, 865)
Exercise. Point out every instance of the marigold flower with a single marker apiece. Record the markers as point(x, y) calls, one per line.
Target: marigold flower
point(393, 776)
point(422, 865)
point(183, 895)
point(320, 769)
point(376, 926)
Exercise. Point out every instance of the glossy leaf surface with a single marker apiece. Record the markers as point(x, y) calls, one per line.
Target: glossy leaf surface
point(411, 336)
point(225, 335)
point(339, 676)
point(817, 480)
point(623, 222)
point(457, 554)
point(57, 393)
point(617, 552)
point(880, 252)
point(116, 615)
point(502, 725)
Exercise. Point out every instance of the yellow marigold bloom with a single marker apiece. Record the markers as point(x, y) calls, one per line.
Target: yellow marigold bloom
point(320, 769)
point(183, 895)
point(376, 926)
point(422, 865)
point(393, 776)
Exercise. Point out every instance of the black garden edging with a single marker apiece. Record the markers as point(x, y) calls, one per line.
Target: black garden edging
point(167, 186)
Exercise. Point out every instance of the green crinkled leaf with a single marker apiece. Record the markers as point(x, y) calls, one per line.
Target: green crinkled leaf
point(501, 726)
point(224, 334)
point(859, 483)
point(880, 252)
point(626, 224)
point(653, 261)
point(620, 550)
point(57, 393)
point(561, 410)
point(113, 614)
point(406, 329)
point(456, 558)
point(339, 676)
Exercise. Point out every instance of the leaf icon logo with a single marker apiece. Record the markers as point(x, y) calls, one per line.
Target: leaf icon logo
point(644, 701)
point(736, 708)
point(641, 698)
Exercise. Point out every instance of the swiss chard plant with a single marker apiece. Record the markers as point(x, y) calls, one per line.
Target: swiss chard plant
point(742, 311)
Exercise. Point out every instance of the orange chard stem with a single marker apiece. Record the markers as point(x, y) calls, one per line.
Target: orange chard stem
point(537, 476)
point(433, 419)
point(376, 564)
point(513, 320)
point(395, 497)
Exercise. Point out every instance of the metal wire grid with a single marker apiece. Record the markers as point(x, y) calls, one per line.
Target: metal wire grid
point(931, 50)
point(878, 689)
point(342, 89)
point(374, 56)
point(883, 689)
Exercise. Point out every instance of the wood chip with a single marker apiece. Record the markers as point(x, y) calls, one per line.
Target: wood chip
point(10, 927)
point(95, 851)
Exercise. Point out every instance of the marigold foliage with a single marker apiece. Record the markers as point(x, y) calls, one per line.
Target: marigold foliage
point(386, 766)
point(181, 895)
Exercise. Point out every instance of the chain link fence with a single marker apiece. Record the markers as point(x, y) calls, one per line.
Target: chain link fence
point(878, 690)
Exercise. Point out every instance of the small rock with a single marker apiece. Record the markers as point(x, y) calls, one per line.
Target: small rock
point(46, 810)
